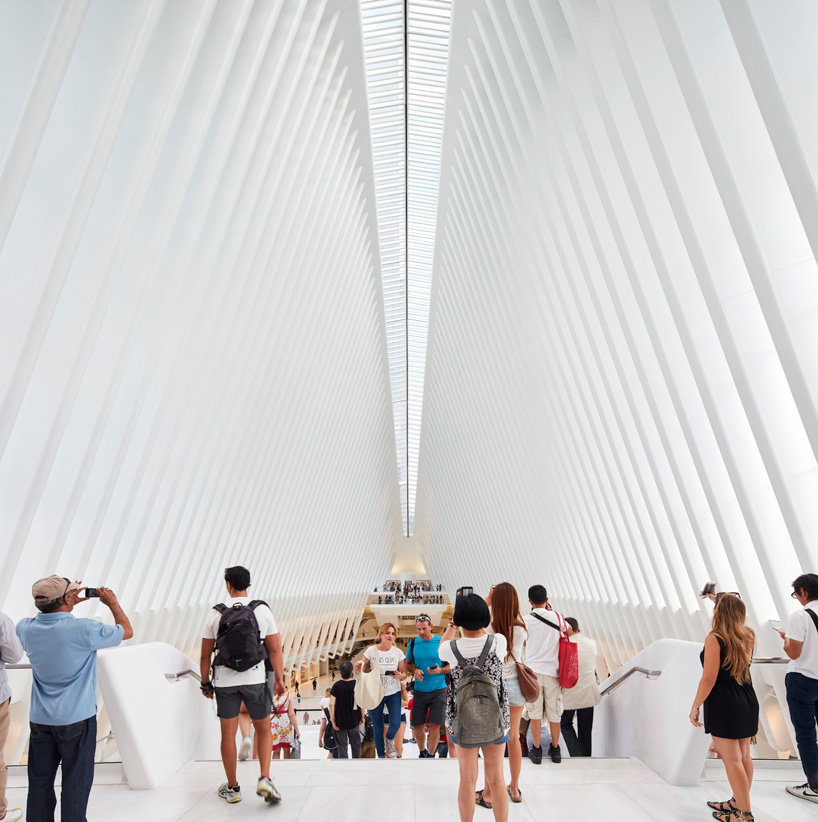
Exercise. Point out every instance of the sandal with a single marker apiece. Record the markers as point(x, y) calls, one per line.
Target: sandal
point(724, 816)
point(478, 800)
point(519, 794)
point(723, 807)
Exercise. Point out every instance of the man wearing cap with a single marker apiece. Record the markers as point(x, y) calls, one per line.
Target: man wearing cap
point(10, 652)
point(429, 694)
point(63, 654)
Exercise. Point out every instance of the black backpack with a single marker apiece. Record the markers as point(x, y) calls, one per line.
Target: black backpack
point(330, 742)
point(239, 645)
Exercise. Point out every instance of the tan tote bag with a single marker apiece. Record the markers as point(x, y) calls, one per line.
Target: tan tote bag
point(368, 687)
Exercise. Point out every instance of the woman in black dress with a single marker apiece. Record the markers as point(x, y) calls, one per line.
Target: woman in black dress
point(730, 704)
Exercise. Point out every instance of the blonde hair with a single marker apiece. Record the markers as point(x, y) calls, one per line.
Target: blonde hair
point(729, 624)
point(385, 627)
point(328, 692)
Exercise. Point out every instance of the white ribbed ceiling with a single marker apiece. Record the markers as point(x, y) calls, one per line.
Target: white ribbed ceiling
point(205, 330)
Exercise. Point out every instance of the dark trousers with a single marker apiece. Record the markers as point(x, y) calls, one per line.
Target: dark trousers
point(351, 736)
point(577, 745)
point(802, 698)
point(73, 747)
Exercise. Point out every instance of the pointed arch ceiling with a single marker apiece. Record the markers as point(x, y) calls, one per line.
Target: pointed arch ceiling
point(198, 336)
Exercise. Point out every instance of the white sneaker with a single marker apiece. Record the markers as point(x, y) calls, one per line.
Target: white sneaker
point(230, 794)
point(804, 791)
point(246, 748)
point(391, 750)
point(269, 791)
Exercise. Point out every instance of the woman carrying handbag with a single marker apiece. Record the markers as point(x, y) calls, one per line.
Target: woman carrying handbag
point(388, 659)
point(507, 621)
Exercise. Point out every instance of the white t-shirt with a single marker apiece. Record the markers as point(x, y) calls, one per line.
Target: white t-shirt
point(471, 647)
point(585, 694)
point(388, 660)
point(324, 704)
point(542, 650)
point(509, 665)
point(801, 628)
point(226, 677)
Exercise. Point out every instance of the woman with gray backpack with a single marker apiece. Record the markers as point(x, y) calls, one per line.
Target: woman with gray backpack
point(477, 708)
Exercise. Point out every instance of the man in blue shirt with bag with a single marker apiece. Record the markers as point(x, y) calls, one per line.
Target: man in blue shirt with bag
point(63, 654)
point(429, 694)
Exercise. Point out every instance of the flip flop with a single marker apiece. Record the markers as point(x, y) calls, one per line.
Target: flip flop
point(478, 800)
point(519, 794)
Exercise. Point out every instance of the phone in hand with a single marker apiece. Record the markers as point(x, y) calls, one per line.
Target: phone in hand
point(91, 592)
point(777, 629)
point(708, 588)
point(465, 591)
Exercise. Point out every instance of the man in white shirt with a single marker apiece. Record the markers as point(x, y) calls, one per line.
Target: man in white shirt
point(583, 697)
point(11, 652)
point(801, 646)
point(243, 634)
point(543, 656)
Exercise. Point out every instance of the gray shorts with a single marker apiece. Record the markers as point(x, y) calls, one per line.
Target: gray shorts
point(257, 698)
point(433, 702)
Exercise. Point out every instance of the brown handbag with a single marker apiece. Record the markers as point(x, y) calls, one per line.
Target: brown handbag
point(529, 684)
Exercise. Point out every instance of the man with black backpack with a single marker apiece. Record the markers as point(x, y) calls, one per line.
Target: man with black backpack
point(243, 634)
point(429, 692)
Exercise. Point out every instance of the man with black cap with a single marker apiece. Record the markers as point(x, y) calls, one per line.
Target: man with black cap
point(63, 655)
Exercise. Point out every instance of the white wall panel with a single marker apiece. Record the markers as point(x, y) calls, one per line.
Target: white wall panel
point(620, 395)
point(195, 371)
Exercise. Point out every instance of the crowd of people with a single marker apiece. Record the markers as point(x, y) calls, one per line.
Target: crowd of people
point(468, 692)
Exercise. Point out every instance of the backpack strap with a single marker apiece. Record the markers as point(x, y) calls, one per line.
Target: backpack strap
point(221, 607)
point(411, 651)
point(486, 650)
point(460, 660)
point(254, 603)
point(813, 616)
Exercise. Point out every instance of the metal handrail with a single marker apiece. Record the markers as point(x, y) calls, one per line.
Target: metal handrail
point(614, 685)
point(181, 674)
point(20, 666)
point(770, 660)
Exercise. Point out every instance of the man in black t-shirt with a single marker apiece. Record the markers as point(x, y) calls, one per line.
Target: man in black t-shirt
point(344, 714)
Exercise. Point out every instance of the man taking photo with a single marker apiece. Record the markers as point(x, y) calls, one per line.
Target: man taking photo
point(63, 654)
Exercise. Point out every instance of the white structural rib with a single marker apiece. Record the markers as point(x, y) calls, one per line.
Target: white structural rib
point(193, 368)
point(622, 372)
point(406, 52)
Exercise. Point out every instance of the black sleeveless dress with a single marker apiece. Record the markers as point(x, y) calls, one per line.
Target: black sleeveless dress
point(731, 709)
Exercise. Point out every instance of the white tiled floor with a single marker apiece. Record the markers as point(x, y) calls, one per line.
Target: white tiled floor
point(414, 790)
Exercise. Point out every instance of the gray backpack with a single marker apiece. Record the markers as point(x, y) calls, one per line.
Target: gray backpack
point(479, 719)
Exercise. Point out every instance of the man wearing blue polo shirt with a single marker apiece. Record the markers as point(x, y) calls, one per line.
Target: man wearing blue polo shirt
point(429, 694)
point(63, 654)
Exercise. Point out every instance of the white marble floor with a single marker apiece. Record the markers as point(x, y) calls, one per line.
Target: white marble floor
point(411, 790)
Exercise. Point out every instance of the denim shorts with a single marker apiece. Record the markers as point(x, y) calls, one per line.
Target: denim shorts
point(515, 695)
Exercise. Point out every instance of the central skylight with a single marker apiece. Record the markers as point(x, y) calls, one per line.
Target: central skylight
point(407, 39)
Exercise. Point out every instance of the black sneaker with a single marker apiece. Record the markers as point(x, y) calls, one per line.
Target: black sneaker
point(423, 754)
point(535, 755)
point(555, 753)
